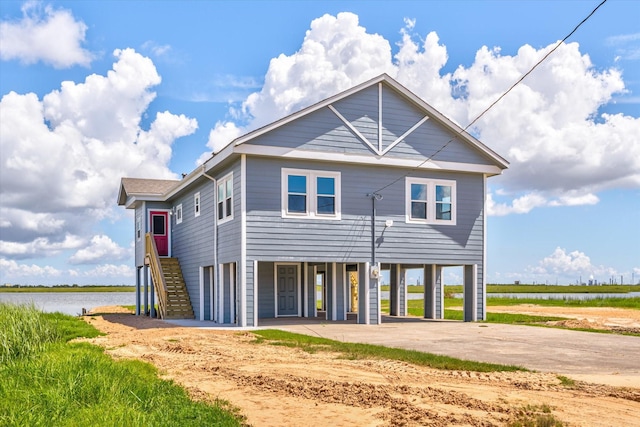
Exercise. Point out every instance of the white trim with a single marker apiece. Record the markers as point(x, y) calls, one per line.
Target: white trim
point(367, 294)
point(334, 298)
point(305, 304)
point(406, 295)
point(223, 182)
point(353, 129)
point(404, 135)
point(243, 240)
point(431, 185)
point(474, 314)
point(380, 119)
point(221, 293)
point(484, 249)
point(197, 206)
point(420, 164)
point(211, 292)
point(201, 288)
point(275, 287)
point(441, 285)
point(315, 291)
point(232, 292)
point(311, 195)
point(379, 299)
point(179, 215)
point(255, 293)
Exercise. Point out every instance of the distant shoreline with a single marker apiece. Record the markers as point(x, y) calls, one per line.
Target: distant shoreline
point(38, 289)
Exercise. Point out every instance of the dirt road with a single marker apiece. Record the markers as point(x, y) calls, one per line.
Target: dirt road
point(281, 386)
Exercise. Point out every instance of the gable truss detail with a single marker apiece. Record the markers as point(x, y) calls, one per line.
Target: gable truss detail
point(379, 150)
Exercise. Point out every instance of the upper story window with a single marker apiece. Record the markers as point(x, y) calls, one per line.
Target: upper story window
point(138, 227)
point(179, 214)
point(196, 204)
point(430, 201)
point(310, 194)
point(225, 198)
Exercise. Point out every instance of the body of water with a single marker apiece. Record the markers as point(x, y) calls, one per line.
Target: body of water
point(69, 302)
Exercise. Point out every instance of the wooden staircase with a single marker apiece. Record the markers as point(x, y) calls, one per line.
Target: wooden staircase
point(178, 304)
point(166, 275)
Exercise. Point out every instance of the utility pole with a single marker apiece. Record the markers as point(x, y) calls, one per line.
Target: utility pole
point(374, 197)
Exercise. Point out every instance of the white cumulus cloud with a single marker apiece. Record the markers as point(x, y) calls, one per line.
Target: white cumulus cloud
point(63, 156)
point(54, 37)
point(100, 249)
point(563, 152)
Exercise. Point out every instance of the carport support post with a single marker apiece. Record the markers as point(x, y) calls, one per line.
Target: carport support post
point(471, 293)
point(394, 288)
point(433, 300)
point(363, 294)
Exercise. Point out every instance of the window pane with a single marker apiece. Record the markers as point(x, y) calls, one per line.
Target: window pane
point(326, 205)
point(297, 184)
point(443, 193)
point(326, 186)
point(220, 210)
point(158, 225)
point(418, 192)
point(419, 210)
point(228, 213)
point(229, 188)
point(220, 192)
point(443, 211)
point(297, 203)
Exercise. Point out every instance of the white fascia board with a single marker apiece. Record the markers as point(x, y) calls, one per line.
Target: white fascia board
point(134, 199)
point(284, 152)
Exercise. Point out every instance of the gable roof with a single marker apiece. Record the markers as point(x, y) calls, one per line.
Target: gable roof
point(431, 112)
point(135, 189)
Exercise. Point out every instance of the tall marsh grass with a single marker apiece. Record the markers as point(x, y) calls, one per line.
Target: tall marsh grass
point(24, 331)
point(46, 380)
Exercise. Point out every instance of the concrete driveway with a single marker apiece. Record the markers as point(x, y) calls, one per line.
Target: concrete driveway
point(580, 355)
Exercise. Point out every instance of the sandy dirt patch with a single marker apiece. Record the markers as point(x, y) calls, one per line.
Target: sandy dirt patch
point(281, 386)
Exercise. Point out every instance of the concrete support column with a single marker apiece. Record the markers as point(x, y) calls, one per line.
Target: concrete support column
point(471, 293)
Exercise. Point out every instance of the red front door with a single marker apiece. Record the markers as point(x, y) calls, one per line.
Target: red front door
point(159, 221)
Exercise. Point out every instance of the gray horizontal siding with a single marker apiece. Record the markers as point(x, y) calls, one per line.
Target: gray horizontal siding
point(323, 131)
point(192, 240)
point(229, 243)
point(271, 237)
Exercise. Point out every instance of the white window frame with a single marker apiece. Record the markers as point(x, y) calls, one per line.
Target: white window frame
point(431, 201)
point(196, 204)
point(227, 216)
point(179, 214)
point(312, 194)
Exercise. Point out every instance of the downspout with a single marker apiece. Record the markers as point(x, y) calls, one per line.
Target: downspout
point(215, 223)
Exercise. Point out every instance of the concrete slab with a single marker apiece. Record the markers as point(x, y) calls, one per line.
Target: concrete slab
point(560, 351)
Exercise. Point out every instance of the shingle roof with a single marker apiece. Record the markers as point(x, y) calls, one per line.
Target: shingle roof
point(144, 187)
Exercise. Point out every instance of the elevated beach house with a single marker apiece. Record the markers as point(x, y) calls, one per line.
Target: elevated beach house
point(304, 216)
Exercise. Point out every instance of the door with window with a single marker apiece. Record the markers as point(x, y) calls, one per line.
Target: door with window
point(159, 225)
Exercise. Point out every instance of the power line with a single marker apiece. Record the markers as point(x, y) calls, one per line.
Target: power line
point(498, 99)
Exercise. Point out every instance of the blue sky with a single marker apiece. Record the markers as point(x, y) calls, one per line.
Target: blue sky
point(92, 91)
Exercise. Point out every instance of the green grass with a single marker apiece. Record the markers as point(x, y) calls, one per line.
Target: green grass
point(56, 382)
point(533, 289)
point(631, 302)
point(368, 351)
point(26, 289)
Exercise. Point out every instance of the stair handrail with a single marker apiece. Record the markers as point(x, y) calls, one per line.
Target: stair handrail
point(157, 275)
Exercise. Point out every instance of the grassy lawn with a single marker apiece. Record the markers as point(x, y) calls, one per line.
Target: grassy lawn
point(47, 380)
point(534, 289)
point(369, 351)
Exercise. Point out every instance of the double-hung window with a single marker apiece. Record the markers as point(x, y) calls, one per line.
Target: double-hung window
point(196, 204)
point(178, 211)
point(225, 198)
point(310, 194)
point(430, 201)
